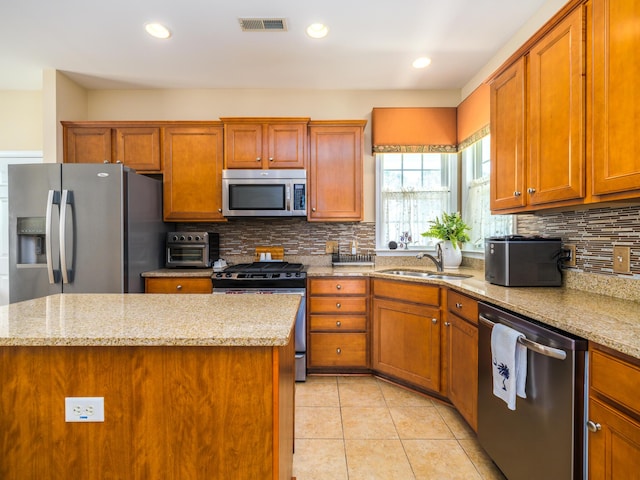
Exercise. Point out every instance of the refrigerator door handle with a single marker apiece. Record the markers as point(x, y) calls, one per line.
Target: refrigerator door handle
point(67, 199)
point(53, 198)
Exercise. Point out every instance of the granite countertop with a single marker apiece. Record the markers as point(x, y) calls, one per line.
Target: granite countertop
point(149, 320)
point(606, 320)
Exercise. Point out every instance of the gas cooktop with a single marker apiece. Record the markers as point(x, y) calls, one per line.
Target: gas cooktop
point(262, 270)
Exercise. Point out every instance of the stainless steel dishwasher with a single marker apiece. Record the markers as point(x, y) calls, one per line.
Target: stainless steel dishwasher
point(544, 437)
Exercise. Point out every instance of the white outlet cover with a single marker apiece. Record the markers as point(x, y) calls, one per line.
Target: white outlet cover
point(84, 409)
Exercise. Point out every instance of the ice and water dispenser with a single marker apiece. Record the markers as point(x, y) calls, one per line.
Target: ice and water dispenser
point(31, 240)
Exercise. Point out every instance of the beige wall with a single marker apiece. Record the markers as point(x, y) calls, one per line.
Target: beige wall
point(20, 120)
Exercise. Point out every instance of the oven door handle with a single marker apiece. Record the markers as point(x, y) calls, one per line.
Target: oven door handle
point(531, 345)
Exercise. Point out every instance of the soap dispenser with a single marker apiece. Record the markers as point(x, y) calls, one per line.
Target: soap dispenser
point(354, 246)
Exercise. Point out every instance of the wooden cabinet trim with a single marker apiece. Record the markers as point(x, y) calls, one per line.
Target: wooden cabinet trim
point(411, 292)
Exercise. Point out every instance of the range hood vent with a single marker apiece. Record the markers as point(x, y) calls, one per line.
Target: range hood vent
point(263, 24)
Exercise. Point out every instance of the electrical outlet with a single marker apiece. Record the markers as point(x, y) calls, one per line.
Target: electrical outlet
point(621, 259)
point(331, 247)
point(84, 409)
point(570, 250)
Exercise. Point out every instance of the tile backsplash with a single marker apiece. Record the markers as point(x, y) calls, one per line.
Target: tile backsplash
point(594, 232)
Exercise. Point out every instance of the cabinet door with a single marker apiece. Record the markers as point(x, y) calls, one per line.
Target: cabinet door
point(243, 145)
point(507, 139)
point(335, 173)
point(556, 114)
point(87, 145)
point(193, 173)
point(614, 450)
point(462, 358)
point(287, 145)
point(406, 342)
point(139, 148)
point(615, 103)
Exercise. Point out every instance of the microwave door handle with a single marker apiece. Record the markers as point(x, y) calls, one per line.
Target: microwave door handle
point(288, 198)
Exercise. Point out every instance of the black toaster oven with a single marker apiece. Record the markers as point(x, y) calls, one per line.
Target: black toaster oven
point(192, 249)
point(523, 261)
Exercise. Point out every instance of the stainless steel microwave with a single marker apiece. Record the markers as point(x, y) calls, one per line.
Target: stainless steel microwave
point(264, 193)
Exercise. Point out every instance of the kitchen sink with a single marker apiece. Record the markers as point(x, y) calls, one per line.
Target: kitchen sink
point(431, 275)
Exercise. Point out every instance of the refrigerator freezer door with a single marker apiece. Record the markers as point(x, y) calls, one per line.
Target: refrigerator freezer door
point(93, 239)
point(29, 232)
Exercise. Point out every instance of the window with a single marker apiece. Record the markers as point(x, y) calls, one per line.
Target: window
point(475, 197)
point(412, 189)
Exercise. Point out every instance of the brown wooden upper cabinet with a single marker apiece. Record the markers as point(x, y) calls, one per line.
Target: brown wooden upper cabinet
point(192, 182)
point(537, 122)
point(334, 179)
point(265, 143)
point(615, 109)
point(135, 145)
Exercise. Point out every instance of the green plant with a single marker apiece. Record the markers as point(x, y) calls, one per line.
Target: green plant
point(449, 227)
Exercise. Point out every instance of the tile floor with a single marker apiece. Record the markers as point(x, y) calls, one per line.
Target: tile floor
point(360, 427)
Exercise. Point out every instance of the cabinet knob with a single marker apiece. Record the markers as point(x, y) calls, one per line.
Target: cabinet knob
point(593, 426)
point(517, 194)
point(313, 209)
point(338, 350)
point(178, 287)
point(434, 320)
point(447, 324)
point(271, 159)
point(338, 305)
point(106, 161)
point(338, 323)
point(338, 286)
point(119, 162)
point(219, 210)
point(458, 305)
point(259, 159)
point(531, 190)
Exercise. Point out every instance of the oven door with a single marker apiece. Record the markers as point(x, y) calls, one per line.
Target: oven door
point(300, 325)
point(188, 255)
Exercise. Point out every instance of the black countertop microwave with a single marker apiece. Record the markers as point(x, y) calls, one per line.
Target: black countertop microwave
point(523, 261)
point(264, 193)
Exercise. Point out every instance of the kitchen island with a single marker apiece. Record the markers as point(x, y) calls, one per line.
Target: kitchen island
point(194, 386)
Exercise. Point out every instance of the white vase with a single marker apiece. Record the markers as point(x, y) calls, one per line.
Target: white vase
point(451, 256)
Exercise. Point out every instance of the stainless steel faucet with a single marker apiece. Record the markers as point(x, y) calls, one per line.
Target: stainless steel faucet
point(438, 261)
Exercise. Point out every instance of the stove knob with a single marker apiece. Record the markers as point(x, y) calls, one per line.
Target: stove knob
point(189, 238)
point(228, 275)
point(175, 238)
point(297, 274)
point(197, 237)
point(182, 237)
point(288, 275)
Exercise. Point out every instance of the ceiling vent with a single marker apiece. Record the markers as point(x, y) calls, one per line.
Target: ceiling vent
point(263, 24)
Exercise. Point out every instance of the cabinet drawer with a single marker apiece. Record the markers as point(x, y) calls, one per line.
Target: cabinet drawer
point(463, 306)
point(407, 291)
point(337, 350)
point(337, 323)
point(178, 285)
point(617, 379)
point(334, 286)
point(338, 304)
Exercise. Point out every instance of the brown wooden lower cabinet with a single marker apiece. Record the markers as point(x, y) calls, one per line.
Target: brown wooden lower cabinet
point(177, 285)
point(406, 335)
point(171, 412)
point(614, 415)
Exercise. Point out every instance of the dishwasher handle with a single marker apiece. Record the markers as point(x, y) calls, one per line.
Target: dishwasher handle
point(531, 345)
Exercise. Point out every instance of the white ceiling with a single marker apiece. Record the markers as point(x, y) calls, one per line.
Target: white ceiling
point(371, 43)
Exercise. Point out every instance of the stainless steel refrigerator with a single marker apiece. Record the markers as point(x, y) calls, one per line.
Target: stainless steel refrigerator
point(82, 228)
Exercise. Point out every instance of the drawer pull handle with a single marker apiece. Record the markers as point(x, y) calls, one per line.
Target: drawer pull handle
point(338, 323)
point(447, 324)
point(338, 287)
point(434, 320)
point(259, 159)
point(178, 287)
point(338, 305)
point(593, 426)
point(517, 194)
point(458, 305)
point(531, 190)
point(338, 350)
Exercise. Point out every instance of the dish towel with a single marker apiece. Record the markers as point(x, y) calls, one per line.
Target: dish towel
point(509, 364)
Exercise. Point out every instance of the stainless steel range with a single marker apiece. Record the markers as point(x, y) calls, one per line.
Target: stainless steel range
point(268, 278)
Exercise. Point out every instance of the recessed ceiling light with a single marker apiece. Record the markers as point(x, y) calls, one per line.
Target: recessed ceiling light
point(157, 30)
point(421, 62)
point(317, 30)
